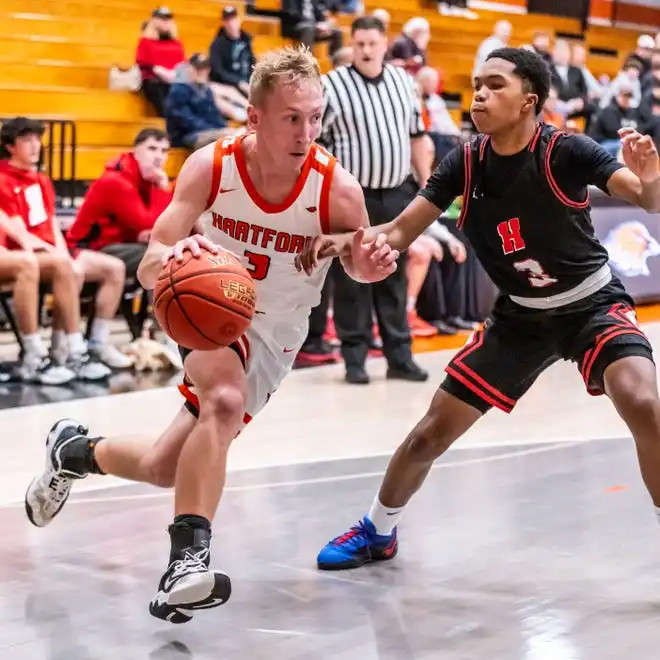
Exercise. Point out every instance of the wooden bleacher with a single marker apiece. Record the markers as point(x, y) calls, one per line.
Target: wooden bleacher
point(54, 61)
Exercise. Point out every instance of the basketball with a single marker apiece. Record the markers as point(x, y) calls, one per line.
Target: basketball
point(204, 302)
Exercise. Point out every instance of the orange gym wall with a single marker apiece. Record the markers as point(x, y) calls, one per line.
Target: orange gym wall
point(630, 12)
point(642, 14)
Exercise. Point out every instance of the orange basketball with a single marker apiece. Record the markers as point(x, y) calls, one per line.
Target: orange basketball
point(204, 302)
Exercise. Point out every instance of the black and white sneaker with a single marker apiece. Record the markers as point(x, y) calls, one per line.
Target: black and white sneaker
point(42, 370)
point(48, 493)
point(189, 585)
point(87, 367)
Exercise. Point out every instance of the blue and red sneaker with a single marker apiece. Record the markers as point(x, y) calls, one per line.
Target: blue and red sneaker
point(359, 546)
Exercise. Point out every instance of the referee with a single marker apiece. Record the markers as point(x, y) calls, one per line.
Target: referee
point(372, 124)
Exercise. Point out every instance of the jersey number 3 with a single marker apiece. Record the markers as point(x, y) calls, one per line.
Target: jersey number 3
point(259, 265)
point(537, 277)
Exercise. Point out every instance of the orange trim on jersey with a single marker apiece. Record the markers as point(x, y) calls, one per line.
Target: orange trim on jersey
point(327, 173)
point(189, 396)
point(467, 168)
point(551, 179)
point(264, 205)
point(218, 155)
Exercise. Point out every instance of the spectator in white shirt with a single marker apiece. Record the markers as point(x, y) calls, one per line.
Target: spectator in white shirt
point(438, 122)
point(579, 60)
point(499, 39)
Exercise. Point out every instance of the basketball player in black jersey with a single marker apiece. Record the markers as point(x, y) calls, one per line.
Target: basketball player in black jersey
point(526, 213)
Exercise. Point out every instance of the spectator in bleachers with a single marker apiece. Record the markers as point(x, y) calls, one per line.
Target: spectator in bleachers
point(570, 83)
point(306, 21)
point(121, 206)
point(628, 77)
point(541, 46)
point(158, 53)
point(439, 123)
point(27, 198)
point(384, 17)
point(642, 54)
point(443, 298)
point(618, 114)
point(192, 116)
point(499, 39)
point(422, 251)
point(551, 114)
point(232, 60)
point(343, 57)
point(579, 61)
point(409, 49)
point(649, 108)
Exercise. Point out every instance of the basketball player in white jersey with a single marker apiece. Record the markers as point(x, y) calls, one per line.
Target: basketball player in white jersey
point(262, 196)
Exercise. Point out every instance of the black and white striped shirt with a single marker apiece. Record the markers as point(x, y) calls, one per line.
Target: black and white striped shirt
point(368, 123)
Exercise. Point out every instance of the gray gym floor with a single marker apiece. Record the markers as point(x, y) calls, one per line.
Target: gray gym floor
point(536, 552)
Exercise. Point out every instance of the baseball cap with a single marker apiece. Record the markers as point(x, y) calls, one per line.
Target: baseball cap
point(200, 61)
point(229, 12)
point(162, 12)
point(646, 41)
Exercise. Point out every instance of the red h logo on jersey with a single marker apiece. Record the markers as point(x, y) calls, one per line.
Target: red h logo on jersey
point(509, 232)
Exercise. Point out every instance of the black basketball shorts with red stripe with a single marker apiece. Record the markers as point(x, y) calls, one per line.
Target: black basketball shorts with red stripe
point(502, 361)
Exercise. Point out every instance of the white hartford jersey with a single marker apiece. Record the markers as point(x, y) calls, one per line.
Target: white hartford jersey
point(266, 237)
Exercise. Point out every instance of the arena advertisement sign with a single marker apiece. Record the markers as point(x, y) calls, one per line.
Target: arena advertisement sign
point(632, 239)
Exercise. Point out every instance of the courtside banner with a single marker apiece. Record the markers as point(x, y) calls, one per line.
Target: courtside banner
point(632, 239)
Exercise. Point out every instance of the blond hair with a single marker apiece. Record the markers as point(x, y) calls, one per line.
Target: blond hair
point(287, 66)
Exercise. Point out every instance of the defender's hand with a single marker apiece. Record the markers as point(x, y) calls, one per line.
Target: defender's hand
point(373, 260)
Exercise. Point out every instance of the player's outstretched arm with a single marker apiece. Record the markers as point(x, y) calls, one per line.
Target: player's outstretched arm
point(638, 182)
point(171, 234)
point(366, 260)
point(370, 244)
point(445, 184)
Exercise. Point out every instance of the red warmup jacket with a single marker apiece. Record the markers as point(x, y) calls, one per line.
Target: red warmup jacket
point(158, 52)
point(30, 196)
point(117, 207)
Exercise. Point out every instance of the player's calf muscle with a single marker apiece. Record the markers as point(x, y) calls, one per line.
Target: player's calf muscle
point(447, 420)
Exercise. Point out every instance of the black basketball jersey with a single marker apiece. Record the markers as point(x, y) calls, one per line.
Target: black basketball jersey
point(531, 238)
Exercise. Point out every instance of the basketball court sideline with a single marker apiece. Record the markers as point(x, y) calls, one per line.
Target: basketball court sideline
point(533, 538)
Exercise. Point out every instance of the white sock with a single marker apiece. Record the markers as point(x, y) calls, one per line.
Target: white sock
point(100, 331)
point(34, 345)
point(411, 304)
point(384, 518)
point(58, 339)
point(77, 344)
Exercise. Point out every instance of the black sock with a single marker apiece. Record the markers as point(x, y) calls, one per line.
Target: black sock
point(91, 458)
point(78, 456)
point(188, 530)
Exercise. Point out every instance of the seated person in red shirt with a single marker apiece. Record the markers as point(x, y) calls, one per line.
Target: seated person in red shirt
point(120, 207)
point(27, 199)
point(158, 53)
